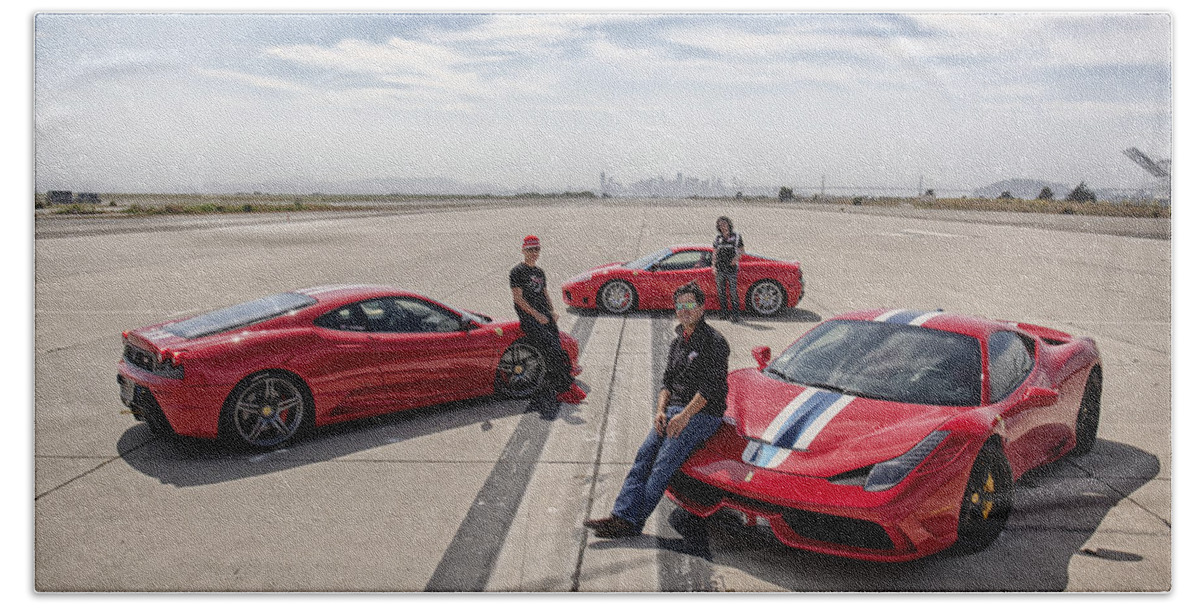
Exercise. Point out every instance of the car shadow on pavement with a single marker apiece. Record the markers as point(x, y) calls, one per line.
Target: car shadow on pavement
point(787, 315)
point(1058, 507)
point(185, 462)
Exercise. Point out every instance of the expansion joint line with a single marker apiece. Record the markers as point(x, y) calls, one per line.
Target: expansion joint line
point(612, 380)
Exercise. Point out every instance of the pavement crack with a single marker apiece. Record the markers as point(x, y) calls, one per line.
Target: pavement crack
point(107, 462)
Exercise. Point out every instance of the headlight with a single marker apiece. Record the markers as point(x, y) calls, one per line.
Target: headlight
point(885, 475)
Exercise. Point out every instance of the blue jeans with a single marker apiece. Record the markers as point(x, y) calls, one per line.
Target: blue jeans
point(656, 461)
point(727, 292)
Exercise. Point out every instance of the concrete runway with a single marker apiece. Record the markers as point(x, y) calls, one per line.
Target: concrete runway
point(482, 496)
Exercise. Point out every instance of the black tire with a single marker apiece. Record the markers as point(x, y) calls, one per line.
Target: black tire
point(266, 410)
point(1087, 421)
point(766, 298)
point(521, 370)
point(617, 297)
point(987, 500)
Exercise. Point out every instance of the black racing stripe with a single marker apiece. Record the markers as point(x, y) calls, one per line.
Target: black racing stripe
point(684, 557)
point(468, 562)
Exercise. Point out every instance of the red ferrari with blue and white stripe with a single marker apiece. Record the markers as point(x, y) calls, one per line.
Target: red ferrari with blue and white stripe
point(889, 435)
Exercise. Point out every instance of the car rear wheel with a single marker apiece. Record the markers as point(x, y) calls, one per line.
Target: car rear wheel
point(266, 410)
point(617, 297)
point(521, 370)
point(766, 298)
point(1087, 422)
point(987, 500)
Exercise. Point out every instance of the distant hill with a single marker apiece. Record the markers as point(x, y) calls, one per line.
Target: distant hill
point(1022, 188)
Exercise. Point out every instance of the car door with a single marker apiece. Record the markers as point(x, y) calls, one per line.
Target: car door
point(1030, 423)
point(343, 364)
point(678, 268)
point(427, 355)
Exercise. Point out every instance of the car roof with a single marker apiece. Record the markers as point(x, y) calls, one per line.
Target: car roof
point(976, 327)
point(344, 294)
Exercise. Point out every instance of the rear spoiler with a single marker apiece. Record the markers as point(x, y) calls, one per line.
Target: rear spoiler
point(1053, 336)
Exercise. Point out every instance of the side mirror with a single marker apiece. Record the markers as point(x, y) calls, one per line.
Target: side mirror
point(1040, 396)
point(762, 355)
point(466, 324)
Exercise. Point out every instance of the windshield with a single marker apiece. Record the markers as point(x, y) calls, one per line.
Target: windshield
point(240, 315)
point(888, 361)
point(645, 261)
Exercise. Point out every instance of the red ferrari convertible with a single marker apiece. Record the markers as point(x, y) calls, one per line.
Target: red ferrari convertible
point(261, 371)
point(765, 286)
point(889, 435)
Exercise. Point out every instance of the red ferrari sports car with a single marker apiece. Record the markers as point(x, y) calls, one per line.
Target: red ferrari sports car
point(765, 286)
point(261, 371)
point(889, 435)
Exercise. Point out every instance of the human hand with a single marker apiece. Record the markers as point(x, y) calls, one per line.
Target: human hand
point(660, 422)
point(677, 424)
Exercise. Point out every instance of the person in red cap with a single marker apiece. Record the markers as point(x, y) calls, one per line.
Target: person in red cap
point(539, 321)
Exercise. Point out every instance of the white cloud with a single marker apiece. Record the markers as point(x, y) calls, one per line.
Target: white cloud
point(255, 80)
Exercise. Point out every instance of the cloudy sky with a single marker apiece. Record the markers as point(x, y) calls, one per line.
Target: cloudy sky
point(195, 103)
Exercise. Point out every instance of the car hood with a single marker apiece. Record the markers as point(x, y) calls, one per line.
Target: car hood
point(808, 431)
point(587, 275)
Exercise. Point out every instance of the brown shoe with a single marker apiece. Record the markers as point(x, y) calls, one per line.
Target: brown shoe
point(619, 528)
point(599, 523)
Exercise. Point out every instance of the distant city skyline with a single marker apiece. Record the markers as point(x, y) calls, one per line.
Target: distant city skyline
point(545, 102)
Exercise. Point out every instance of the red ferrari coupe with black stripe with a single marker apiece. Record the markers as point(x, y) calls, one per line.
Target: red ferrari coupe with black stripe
point(260, 372)
point(765, 286)
point(889, 435)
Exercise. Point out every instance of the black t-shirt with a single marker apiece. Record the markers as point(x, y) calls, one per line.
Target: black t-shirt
point(726, 250)
point(532, 282)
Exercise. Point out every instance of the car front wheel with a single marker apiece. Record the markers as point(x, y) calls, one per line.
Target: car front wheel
point(987, 501)
point(617, 297)
point(266, 410)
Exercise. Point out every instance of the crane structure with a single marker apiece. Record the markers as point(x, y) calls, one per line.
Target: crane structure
point(1160, 169)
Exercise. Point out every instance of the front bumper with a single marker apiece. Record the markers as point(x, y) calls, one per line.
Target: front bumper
point(917, 518)
point(578, 295)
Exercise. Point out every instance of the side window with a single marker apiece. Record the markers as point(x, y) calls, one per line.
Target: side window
point(684, 260)
point(415, 316)
point(377, 314)
point(1010, 359)
point(346, 318)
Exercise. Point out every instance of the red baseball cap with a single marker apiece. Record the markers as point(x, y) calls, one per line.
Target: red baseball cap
point(531, 242)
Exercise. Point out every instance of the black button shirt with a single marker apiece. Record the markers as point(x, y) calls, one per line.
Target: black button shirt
point(698, 364)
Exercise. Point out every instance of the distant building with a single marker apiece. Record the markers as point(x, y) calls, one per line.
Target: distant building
point(88, 197)
point(59, 197)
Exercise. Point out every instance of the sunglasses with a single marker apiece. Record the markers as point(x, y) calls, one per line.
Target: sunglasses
point(534, 249)
point(687, 305)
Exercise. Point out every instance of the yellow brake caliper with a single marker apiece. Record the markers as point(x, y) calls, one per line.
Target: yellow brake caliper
point(989, 487)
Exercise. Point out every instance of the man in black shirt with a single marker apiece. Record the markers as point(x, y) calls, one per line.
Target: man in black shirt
point(727, 254)
point(540, 324)
point(691, 404)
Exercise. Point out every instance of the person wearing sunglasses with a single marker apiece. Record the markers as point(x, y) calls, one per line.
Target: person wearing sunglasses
point(539, 321)
point(691, 403)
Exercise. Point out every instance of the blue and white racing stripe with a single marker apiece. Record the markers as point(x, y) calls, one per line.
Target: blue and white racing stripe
point(800, 421)
point(907, 317)
point(764, 455)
